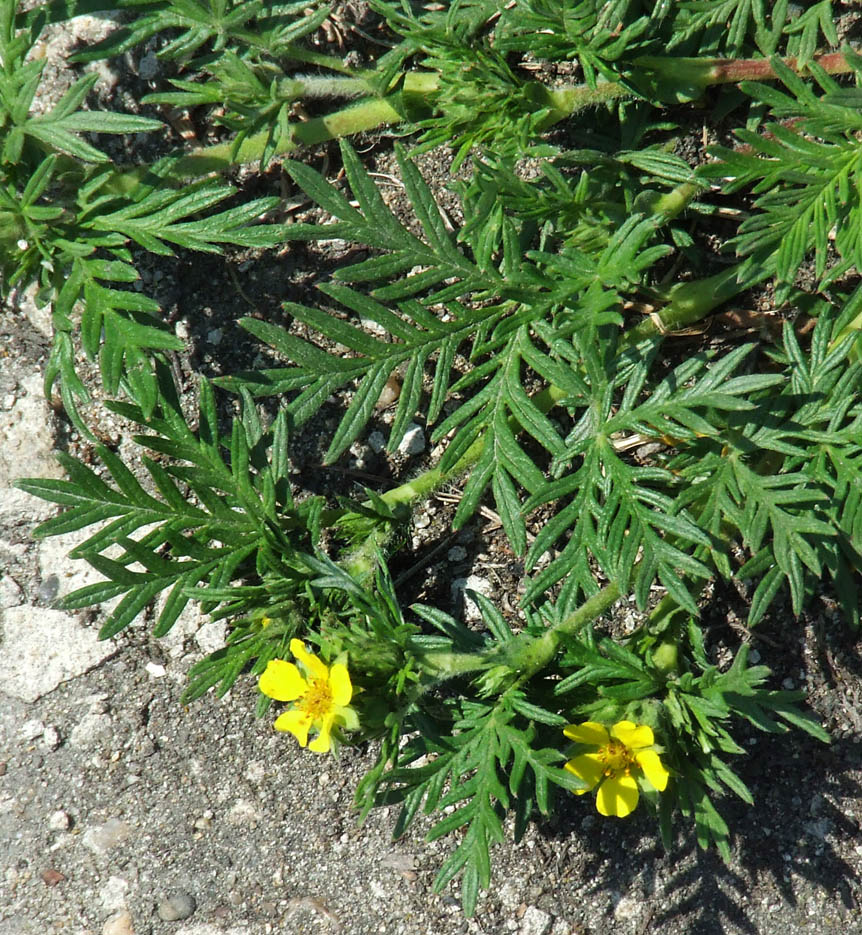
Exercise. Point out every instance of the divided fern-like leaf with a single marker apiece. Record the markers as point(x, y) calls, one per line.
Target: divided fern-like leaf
point(242, 505)
point(806, 169)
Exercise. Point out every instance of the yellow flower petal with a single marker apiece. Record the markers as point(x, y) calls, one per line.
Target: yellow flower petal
point(653, 768)
point(316, 668)
point(588, 768)
point(617, 796)
point(589, 732)
point(281, 680)
point(322, 742)
point(297, 722)
point(339, 682)
point(634, 736)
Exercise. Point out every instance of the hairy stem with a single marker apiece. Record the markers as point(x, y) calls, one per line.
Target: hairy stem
point(417, 92)
point(525, 655)
point(690, 302)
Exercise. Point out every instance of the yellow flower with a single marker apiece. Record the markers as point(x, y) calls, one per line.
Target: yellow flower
point(623, 755)
point(321, 696)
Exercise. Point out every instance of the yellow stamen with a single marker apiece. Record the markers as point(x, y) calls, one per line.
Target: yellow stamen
point(318, 699)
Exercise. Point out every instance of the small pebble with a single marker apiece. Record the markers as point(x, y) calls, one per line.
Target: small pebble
point(460, 586)
point(98, 703)
point(52, 877)
point(101, 838)
point(390, 393)
point(51, 738)
point(413, 442)
point(48, 589)
point(536, 922)
point(628, 907)
point(119, 924)
point(11, 594)
point(113, 894)
point(457, 553)
point(377, 442)
point(31, 729)
point(179, 905)
point(155, 670)
point(255, 772)
point(91, 731)
point(59, 820)
point(148, 66)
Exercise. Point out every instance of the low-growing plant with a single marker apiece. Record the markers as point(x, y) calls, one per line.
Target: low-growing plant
point(538, 340)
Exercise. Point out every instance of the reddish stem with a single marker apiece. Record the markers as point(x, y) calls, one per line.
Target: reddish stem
point(729, 71)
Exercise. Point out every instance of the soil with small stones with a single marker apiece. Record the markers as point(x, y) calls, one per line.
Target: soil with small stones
point(124, 811)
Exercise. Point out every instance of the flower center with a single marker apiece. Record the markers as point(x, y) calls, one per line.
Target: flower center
point(317, 702)
point(617, 758)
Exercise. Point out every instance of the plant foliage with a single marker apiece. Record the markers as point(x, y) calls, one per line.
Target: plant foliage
point(552, 328)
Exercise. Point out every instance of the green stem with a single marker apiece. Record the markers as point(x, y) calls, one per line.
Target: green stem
point(525, 655)
point(537, 652)
point(670, 72)
point(690, 302)
point(361, 562)
point(427, 483)
point(364, 115)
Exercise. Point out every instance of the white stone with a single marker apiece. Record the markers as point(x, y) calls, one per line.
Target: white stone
point(373, 326)
point(72, 573)
point(51, 738)
point(255, 772)
point(205, 928)
point(26, 450)
point(59, 820)
point(11, 594)
point(101, 838)
point(244, 813)
point(91, 731)
point(31, 729)
point(473, 583)
point(413, 442)
point(536, 922)
point(39, 317)
point(40, 649)
point(628, 907)
point(211, 636)
point(119, 924)
point(510, 895)
point(113, 894)
point(155, 670)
